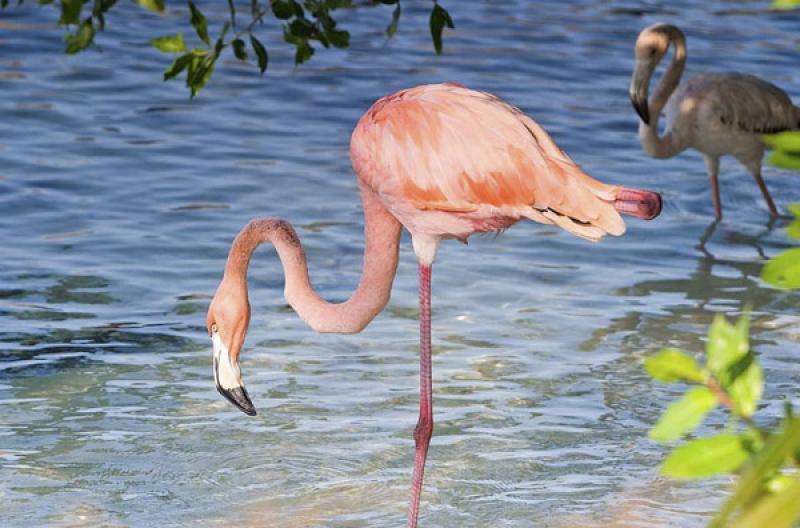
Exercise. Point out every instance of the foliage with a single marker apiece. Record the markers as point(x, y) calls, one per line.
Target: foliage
point(768, 492)
point(730, 377)
point(783, 271)
point(785, 4)
point(786, 145)
point(304, 23)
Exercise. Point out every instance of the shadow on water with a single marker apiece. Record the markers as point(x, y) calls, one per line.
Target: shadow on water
point(29, 347)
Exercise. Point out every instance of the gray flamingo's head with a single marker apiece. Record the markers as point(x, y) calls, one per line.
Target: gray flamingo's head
point(651, 46)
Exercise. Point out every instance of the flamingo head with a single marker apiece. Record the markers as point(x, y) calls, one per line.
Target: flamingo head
point(651, 46)
point(227, 322)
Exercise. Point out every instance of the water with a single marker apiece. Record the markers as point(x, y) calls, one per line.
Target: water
point(120, 198)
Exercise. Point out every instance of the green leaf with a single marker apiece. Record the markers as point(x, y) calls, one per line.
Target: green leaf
point(81, 39)
point(439, 18)
point(726, 345)
point(156, 6)
point(339, 38)
point(200, 70)
point(170, 43)
point(685, 414)
point(178, 66)
point(199, 74)
point(303, 53)
point(780, 510)
point(298, 9)
point(778, 483)
point(302, 27)
point(778, 448)
point(788, 141)
point(793, 229)
point(784, 160)
point(70, 12)
point(706, 457)
point(783, 270)
point(391, 29)
point(261, 53)
point(98, 11)
point(239, 49)
point(199, 23)
point(746, 388)
point(671, 365)
point(282, 9)
point(220, 44)
point(785, 4)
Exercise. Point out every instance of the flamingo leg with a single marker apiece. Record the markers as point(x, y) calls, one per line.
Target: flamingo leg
point(424, 428)
point(713, 171)
point(763, 186)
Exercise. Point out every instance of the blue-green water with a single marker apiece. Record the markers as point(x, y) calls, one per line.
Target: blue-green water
point(120, 197)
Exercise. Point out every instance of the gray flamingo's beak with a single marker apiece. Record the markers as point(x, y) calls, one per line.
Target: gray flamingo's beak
point(228, 377)
point(638, 89)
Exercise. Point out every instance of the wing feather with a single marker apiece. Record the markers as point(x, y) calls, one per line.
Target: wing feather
point(448, 148)
point(746, 102)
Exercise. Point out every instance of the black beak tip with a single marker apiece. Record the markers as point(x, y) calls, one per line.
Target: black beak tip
point(239, 398)
point(641, 109)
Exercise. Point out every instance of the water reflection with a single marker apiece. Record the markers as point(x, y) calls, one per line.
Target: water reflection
point(728, 282)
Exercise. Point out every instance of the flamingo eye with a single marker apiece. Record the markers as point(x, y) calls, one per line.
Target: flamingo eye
point(212, 329)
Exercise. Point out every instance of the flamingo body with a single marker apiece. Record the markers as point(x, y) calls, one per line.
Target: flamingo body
point(444, 162)
point(448, 161)
point(726, 113)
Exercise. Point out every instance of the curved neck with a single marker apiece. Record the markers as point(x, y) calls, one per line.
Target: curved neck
point(382, 241)
point(666, 145)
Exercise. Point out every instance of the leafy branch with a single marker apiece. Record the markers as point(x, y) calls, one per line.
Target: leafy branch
point(731, 377)
point(304, 23)
point(768, 492)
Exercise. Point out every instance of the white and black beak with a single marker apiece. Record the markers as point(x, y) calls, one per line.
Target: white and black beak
point(228, 376)
point(640, 83)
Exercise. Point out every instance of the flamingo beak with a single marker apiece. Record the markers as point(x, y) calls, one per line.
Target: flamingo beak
point(228, 377)
point(638, 90)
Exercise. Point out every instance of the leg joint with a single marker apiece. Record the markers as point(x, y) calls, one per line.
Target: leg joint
point(424, 430)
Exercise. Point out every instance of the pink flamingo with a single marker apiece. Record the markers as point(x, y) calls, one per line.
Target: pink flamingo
point(444, 162)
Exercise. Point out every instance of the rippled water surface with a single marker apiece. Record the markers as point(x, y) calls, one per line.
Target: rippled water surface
point(120, 197)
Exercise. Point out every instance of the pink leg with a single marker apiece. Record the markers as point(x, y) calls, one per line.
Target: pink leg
point(424, 429)
point(713, 172)
point(763, 186)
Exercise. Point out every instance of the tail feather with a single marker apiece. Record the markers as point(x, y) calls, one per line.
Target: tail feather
point(593, 231)
point(587, 231)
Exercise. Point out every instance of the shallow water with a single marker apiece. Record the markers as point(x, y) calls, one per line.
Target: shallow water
point(120, 198)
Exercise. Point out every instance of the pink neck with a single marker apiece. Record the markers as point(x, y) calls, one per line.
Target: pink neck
point(382, 240)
